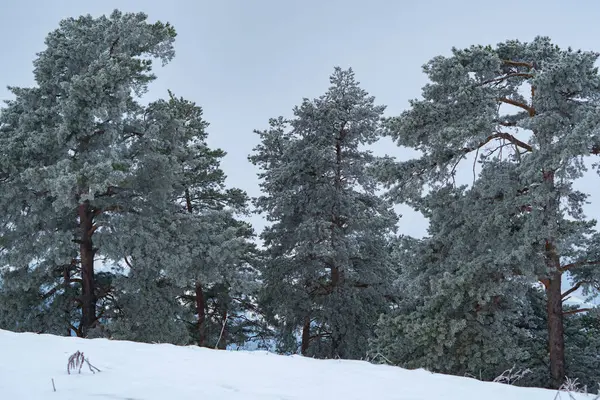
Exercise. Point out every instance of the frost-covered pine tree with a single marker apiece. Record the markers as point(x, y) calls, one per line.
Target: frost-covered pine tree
point(328, 267)
point(463, 309)
point(196, 246)
point(67, 169)
point(537, 104)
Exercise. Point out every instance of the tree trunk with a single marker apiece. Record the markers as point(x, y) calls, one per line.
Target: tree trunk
point(188, 201)
point(336, 229)
point(201, 310)
point(335, 277)
point(556, 340)
point(86, 253)
point(305, 336)
point(336, 336)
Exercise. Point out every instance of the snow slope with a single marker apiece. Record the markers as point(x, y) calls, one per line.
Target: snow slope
point(136, 371)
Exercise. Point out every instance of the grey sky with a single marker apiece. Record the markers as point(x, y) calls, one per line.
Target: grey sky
point(245, 61)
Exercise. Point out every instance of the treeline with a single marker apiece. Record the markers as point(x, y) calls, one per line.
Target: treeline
point(116, 221)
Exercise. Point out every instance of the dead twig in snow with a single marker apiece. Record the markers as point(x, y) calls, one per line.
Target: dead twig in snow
point(222, 330)
point(76, 362)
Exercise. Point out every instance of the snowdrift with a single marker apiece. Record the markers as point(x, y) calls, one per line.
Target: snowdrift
point(136, 371)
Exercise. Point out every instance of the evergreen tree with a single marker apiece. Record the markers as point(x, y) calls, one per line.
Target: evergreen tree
point(222, 274)
point(67, 168)
point(582, 341)
point(539, 104)
point(146, 308)
point(327, 267)
point(464, 309)
point(195, 246)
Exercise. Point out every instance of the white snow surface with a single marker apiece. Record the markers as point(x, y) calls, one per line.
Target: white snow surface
point(137, 371)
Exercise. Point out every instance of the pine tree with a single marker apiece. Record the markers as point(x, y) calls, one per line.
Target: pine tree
point(582, 341)
point(195, 246)
point(147, 308)
point(539, 104)
point(465, 308)
point(222, 274)
point(328, 266)
point(66, 164)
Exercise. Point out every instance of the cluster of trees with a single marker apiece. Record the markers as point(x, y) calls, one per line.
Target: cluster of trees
point(115, 217)
point(116, 221)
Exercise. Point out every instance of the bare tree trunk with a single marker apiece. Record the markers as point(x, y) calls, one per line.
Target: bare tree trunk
point(552, 283)
point(200, 304)
point(336, 228)
point(188, 201)
point(87, 252)
point(335, 277)
point(201, 310)
point(336, 336)
point(305, 336)
point(556, 340)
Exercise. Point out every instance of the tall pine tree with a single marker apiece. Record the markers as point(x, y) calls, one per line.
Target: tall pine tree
point(540, 101)
point(328, 263)
point(67, 167)
point(193, 258)
point(466, 307)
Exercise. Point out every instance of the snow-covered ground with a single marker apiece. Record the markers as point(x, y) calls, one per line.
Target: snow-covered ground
point(135, 371)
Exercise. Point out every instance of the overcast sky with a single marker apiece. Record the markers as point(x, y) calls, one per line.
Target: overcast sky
point(245, 61)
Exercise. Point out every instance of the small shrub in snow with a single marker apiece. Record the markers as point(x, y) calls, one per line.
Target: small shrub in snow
point(510, 376)
point(572, 386)
point(76, 362)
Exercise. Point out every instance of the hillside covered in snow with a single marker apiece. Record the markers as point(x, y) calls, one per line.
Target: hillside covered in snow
point(134, 371)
